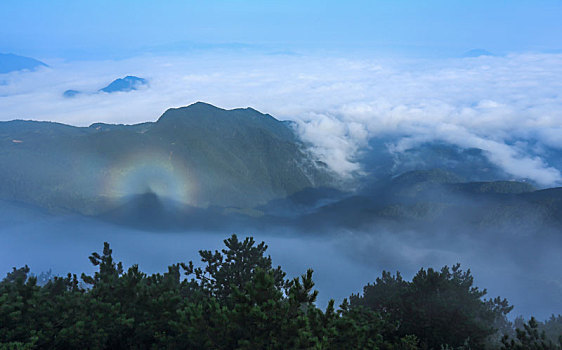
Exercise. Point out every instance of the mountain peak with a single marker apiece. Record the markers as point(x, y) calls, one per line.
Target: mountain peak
point(128, 83)
point(11, 63)
point(202, 105)
point(477, 53)
point(205, 111)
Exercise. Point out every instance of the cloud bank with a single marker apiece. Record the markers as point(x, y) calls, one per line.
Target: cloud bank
point(510, 107)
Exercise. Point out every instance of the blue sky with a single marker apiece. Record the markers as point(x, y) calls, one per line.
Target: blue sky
point(114, 29)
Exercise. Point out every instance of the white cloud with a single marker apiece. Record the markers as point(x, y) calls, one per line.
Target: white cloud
point(338, 103)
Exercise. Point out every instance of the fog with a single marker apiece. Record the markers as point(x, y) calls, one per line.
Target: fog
point(525, 270)
point(509, 106)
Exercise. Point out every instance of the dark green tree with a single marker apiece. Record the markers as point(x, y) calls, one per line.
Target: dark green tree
point(441, 308)
point(531, 338)
point(237, 300)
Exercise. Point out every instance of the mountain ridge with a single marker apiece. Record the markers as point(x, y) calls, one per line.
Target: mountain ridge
point(12, 63)
point(214, 156)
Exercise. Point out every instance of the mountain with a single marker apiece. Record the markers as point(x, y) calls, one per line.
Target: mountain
point(198, 155)
point(433, 200)
point(477, 53)
point(71, 93)
point(11, 63)
point(128, 83)
point(470, 164)
point(204, 167)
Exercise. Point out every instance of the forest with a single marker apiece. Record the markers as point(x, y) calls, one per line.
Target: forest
point(236, 299)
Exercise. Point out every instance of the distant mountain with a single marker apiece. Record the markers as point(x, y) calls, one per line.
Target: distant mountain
point(128, 83)
point(497, 187)
point(467, 164)
point(429, 201)
point(477, 53)
point(198, 155)
point(11, 63)
point(71, 93)
point(437, 176)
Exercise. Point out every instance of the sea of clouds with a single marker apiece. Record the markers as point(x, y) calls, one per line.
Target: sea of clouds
point(509, 106)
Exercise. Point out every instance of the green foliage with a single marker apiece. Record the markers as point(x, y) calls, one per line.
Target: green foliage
point(233, 267)
point(552, 328)
point(531, 338)
point(237, 300)
point(441, 308)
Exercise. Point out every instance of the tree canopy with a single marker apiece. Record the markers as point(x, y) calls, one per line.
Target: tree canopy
point(438, 307)
point(236, 299)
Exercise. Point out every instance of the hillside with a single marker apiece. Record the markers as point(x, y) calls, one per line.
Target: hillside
point(436, 199)
point(198, 155)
